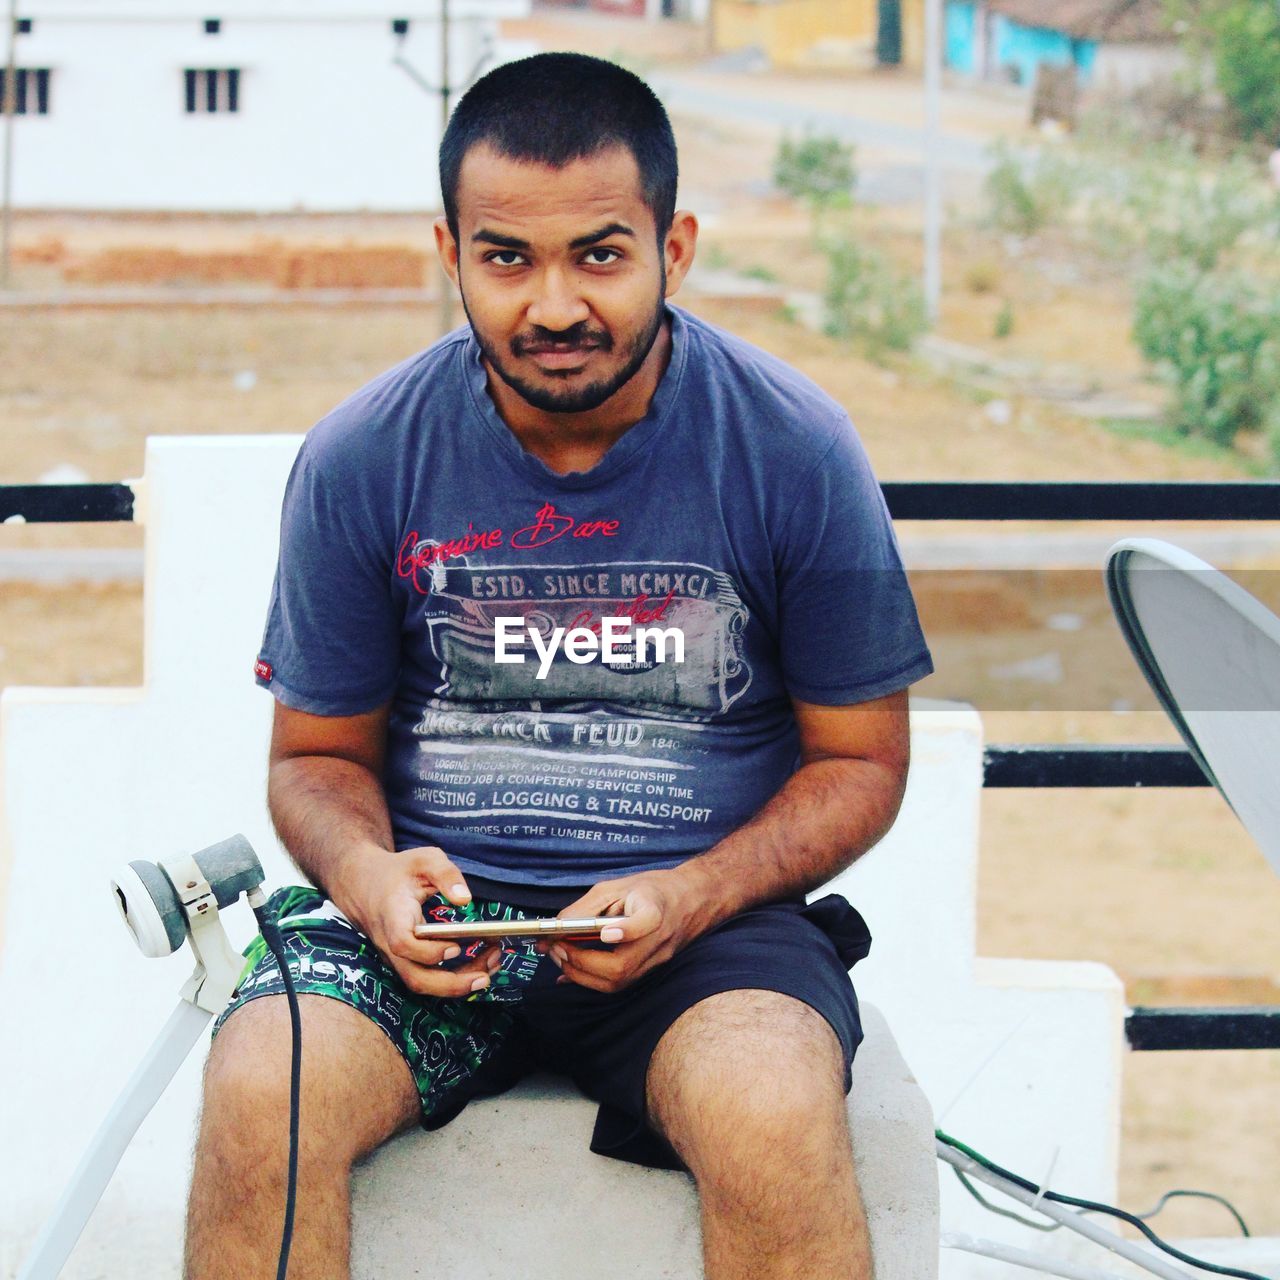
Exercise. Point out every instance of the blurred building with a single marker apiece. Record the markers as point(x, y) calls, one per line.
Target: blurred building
point(227, 105)
point(685, 10)
point(815, 34)
point(1120, 43)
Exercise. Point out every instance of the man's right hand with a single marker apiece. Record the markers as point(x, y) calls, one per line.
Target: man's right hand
point(382, 893)
point(327, 802)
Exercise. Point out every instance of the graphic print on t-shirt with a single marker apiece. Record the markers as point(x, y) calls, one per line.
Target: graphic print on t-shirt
point(699, 602)
point(595, 751)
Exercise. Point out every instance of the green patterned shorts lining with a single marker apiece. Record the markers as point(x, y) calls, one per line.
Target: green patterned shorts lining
point(444, 1041)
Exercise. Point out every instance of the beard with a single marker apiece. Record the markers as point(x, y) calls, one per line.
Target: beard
point(570, 399)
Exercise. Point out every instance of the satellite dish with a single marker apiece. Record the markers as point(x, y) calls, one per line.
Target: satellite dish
point(1211, 654)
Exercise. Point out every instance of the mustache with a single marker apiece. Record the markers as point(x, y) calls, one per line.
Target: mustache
point(578, 337)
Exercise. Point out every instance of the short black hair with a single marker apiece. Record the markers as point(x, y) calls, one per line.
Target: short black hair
point(554, 108)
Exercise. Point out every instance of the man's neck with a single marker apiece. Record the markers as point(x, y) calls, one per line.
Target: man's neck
point(577, 441)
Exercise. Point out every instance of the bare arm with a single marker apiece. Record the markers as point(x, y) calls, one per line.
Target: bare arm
point(324, 791)
point(325, 794)
point(835, 807)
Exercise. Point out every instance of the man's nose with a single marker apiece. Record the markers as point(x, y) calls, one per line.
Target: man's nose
point(557, 304)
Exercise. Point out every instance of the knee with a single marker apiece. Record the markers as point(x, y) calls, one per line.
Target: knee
point(245, 1117)
point(246, 1081)
point(735, 1106)
point(730, 1128)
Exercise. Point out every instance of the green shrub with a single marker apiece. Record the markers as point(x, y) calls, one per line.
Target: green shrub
point(1183, 211)
point(1243, 37)
point(817, 169)
point(868, 301)
point(1026, 195)
point(1216, 338)
point(1004, 320)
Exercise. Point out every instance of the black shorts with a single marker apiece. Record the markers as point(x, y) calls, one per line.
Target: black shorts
point(481, 1045)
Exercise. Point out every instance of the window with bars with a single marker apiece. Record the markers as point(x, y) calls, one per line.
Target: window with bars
point(31, 90)
point(212, 90)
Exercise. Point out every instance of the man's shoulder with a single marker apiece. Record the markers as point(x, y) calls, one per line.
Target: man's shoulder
point(788, 406)
point(381, 420)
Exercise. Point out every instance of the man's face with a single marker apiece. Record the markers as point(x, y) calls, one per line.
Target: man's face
point(560, 272)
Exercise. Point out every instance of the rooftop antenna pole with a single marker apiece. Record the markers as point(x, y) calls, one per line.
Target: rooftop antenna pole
point(932, 171)
point(446, 285)
point(10, 110)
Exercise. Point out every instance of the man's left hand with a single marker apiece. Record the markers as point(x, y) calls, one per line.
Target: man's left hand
point(662, 913)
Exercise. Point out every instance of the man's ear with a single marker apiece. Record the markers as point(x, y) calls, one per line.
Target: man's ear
point(447, 248)
point(678, 249)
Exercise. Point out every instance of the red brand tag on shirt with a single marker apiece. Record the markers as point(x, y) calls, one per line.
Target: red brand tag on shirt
point(262, 669)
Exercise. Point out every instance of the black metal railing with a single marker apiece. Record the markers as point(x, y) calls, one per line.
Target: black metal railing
point(907, 500)
point(66, 503)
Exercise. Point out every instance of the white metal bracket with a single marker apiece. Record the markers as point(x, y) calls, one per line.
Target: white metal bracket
point(218, 966)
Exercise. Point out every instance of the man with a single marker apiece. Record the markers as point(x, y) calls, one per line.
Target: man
point(582, 451)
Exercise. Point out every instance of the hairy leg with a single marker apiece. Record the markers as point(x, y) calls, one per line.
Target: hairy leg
point(357, 1091)
point(748, 1087)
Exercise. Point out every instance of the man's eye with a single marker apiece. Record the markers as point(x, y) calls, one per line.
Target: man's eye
point(501, 256)
point(613, 256)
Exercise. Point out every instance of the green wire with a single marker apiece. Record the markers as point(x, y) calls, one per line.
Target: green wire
point(1095, 1207)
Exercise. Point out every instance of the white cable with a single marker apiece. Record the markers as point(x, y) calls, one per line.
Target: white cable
point(1086, 1227)
point(1022, 1258)
point(131, 1108)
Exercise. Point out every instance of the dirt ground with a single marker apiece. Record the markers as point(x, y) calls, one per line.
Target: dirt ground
point(1164, 886)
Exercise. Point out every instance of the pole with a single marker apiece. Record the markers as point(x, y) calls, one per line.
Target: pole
point(446, 285)
point(932, 163)
point(10, 110)
point(149, 1080)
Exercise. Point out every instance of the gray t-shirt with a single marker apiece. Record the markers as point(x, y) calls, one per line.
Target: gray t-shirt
point(740, 511)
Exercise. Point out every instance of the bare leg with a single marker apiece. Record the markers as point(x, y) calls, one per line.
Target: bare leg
point(748, 1087)
point(357, 1091)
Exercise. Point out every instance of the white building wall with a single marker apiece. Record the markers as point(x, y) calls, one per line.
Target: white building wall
point(1125, 67)
point(326, 121)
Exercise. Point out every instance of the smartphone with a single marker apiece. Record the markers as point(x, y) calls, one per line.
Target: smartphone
point(536, 928)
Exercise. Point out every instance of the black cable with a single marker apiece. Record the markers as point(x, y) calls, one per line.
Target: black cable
point(1095, 1207)
point(271, 936)
point(1204, 1195)
point(1055, 1226)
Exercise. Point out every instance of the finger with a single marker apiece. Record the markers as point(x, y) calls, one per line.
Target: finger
point(478, 958)
point(602, 971)
point(641, 916)
point(603, 899)
point(595, 966)
point(446, 983)
point(463, 978)
point(405, 943)
point(578, 978)
point(435, 868)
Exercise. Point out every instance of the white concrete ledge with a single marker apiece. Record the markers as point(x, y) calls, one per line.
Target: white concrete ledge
point(510, 1189)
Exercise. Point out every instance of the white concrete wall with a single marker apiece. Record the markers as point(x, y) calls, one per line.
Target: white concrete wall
point(325, 121)
point(1019, 1058)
